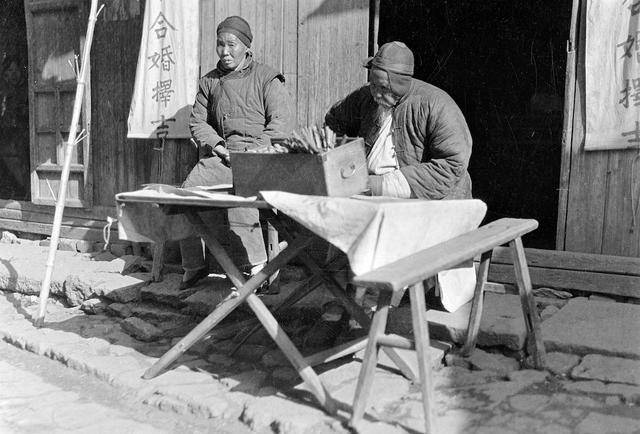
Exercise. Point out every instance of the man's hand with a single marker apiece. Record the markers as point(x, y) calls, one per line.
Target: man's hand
point(392, 184)
point(222, 152)
point(375, 183)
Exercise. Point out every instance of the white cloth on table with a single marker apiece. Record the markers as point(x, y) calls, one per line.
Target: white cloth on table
point(144, 222)
point(375, 231)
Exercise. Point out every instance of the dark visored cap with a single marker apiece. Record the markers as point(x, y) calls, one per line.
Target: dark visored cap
point(396, 59)
point(393, 57)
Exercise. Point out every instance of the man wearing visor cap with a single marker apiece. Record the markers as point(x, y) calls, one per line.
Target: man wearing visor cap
point(417, 140)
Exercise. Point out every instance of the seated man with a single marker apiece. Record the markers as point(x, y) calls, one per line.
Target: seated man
point(239, 106)
point(417, 142)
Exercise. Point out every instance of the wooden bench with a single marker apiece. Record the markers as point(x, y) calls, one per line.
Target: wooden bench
point(393, 279)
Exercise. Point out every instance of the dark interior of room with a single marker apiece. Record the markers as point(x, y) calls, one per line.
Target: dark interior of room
point(503, 62)
point(14, 105)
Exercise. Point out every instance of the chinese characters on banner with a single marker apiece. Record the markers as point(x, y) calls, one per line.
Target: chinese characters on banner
point(167, 72)
point(612, 79)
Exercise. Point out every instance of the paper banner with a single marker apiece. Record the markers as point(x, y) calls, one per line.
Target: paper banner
point(168, 71)
point(612, 74)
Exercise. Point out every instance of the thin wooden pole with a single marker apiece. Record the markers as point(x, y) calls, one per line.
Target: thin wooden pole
point(64, 177)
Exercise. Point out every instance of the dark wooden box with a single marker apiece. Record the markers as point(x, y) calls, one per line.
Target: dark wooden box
point(341, 171)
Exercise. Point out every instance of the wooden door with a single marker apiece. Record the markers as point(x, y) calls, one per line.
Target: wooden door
point(55, 33)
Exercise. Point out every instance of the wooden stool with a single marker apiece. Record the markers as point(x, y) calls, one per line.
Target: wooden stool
point(394, 278)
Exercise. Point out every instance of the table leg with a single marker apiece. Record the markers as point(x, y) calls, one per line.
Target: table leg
point(244, 290)
point(297, 294)
point(273, 248)
point(352, 307)
point(305, 371)
point(245, 293)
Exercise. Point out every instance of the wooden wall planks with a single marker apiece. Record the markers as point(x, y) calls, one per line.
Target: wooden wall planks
point(615, 284)
point(602, 185)
point(574, 261)
point(318, 44)
point(586, 199)
point(332, 43)
point(121, 164)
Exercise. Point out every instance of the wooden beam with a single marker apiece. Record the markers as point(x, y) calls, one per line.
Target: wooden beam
point(588, 262)
point(615, 284)
point(94, 213)
point(567, 129)
point(374, 25)
point(78, 233)
point(47, 218)
point(588, 181)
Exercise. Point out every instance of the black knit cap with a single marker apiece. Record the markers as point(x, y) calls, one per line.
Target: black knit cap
point(236, 26)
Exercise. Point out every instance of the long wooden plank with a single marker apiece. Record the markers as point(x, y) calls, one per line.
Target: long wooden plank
point(322, 28)
point(37, 217)
point(428, 262)
point(290, 49)
point(567, 127)
point(616, 284)
point(201, 202)
point(95, 213)
point(574, 261)
point(588, 178)
point(78, 233)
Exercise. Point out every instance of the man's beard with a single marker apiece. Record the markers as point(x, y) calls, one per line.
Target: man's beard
point(383, 112)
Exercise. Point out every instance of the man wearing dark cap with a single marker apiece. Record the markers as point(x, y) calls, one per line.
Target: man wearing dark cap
point(239, 106)
point(417, 140)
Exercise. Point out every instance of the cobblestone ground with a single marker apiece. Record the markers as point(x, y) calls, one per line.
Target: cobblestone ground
point(265, 395)
point(107, 324)
point(38, 395)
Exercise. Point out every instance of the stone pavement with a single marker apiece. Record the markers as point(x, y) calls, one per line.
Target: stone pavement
point(584, 326)
point(103, 323)
point(41, 395)
point(29, 404)
point(261, 390)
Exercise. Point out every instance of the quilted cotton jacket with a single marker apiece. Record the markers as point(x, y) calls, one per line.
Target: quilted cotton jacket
point(431, 137)
point(244, 108)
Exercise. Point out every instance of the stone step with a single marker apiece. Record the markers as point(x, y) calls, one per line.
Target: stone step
point(608, 369)
point(167, 291)
point(502, 322)
point(594, 327)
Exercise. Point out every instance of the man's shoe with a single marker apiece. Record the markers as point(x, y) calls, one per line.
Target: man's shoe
point(197, 276)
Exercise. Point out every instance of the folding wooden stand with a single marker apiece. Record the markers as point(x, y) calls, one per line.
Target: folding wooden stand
point(297, 240)
point(393, 279)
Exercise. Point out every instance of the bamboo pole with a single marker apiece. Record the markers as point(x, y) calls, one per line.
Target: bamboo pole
point(64, 177)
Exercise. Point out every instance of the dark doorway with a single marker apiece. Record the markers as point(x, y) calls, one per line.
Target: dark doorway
point(14, 103)
point(503, 62)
